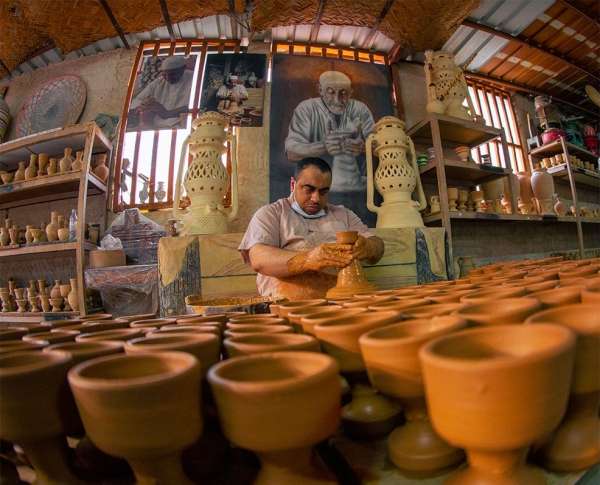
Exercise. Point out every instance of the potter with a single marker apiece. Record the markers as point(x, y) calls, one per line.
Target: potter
point(291, 242)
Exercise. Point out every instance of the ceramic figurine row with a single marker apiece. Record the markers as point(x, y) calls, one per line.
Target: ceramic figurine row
point(58, 230)
point(39, 297)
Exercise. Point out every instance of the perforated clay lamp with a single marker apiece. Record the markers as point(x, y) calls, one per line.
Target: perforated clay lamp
point(279, 405)
point(391, 357)
point(575, 445)
point(33, 386)
point(151, 437)
point(206, 180)
point(494, 398)
point(351, 278)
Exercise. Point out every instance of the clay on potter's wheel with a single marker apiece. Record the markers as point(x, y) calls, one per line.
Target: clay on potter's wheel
point(351, 279)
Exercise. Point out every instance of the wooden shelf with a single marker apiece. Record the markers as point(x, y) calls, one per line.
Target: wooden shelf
point(53, 142)
point(15, 318)
point(580, 175)
point(454, 130)
point(48, 187)
point(556, 146)
point(470, 172)
point(26, 250)
point(484, 216)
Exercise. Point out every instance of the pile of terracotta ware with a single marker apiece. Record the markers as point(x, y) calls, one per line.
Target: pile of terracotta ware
point(500, 369)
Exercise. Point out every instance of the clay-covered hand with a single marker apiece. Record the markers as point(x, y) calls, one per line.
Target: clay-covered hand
point(321, 257)
point(364, 249)
point(353, 146)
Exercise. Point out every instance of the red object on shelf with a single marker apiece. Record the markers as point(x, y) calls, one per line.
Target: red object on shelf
point(551, 135)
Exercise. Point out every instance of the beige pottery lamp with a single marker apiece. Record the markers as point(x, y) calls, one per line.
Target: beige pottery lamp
point(279, 405)
point(574, 445)
point(108, 391)
point(495, 398)
point(391, 358)
point(33, 386)
point(206, 180)
point(396, 178)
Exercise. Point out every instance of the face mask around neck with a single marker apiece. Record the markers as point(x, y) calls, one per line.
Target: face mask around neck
point(296, 208)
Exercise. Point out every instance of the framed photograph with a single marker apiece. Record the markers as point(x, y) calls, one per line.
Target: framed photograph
point(233, 84)
point(315, 100)
point(161, 95)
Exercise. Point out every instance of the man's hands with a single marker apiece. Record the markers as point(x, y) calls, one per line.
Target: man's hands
point(364, 249)
point(150, 104)
point(339, 142)
point(323, 256)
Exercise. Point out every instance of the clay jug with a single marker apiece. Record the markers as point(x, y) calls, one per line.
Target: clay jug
point(542, 184)
point(43, 163)
point(62, 222)
point(66, 161)
point(465, 264)
point(53, 167)
point(55, 292)
point(4, 114)
point(560, 207)
point(4, 237)
point(20, 173)
point(31, 171)
point(78, 163)
point(52, 228)
point(28, 235)
point(101, 170)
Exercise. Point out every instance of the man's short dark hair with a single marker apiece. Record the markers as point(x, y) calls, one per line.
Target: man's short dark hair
point(317, 162)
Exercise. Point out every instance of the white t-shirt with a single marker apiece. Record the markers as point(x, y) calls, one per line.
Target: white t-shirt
point(279, 226)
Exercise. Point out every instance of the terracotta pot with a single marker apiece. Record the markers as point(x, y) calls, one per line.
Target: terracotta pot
point(494, 293)
point(574, 445)
point(279, 404)
point(205, 347)
point(31, 170)
point(108, 391)
point(120, 334)
point(391, 358)
point(399, 305)
point(558, 296)
point(296, 316)
point(257, 329)
point(185, 329)
point(96, 316)
point(286, 308)
point(483, 394)
point(101, 170)
point(308, 322)
point(78, 162)
point(65, 162)
point(10, 346)
point(32, 419)
point(580, 271)
point(503, 312)
point(52, 228)
point(542, 185)
point(250, 317)
point(53, 336)
point(271, 342)
point(133, 318)
point(339, 336)
point(256, 320)
point(152, 322)
point(429, 311)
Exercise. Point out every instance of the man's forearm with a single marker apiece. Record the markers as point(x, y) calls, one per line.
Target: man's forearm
point(270, 261)
point(301, 150)
point(380, 250)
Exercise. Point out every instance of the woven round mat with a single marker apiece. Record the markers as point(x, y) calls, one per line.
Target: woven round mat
point(56, 104)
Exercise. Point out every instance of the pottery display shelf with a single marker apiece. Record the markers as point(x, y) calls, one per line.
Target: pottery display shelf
point(579, 179)
point(78, 185)
point(447, 133)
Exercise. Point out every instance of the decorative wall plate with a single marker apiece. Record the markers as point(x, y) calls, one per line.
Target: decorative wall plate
point(56, 104)
point(108, 124)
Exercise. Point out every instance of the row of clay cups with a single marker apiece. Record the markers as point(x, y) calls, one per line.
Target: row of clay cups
point(577, 162)
point(511, 310)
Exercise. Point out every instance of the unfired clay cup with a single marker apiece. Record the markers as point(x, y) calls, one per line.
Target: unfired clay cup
point(484, 387)
point(279, 404)
point(272, 342)
point(558, 296)
point(502, 312)
point(286, 308)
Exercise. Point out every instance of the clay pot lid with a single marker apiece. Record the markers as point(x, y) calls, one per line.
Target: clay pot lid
point(558, 296)
point(582, 317)
point(485, 348)
point(437, 309)
point(509, 310)
point(297, 315)
point(397, 305)
point(494, 293)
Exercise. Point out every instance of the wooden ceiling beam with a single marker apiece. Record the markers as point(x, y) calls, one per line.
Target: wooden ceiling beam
point(521, 87)
point(579, 13)
point(233, 19)
point(504, 35)
point(167, 17)
point(314, 33)
point(374, 29)
point(115, 24)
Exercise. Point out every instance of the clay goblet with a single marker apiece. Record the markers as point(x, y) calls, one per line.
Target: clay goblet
point(484, 387)
point(33, 386)
point(151, 437)
point(575, 445)
point(279, 404)
point(64, 292)
point(391, 357)
point(452, 198)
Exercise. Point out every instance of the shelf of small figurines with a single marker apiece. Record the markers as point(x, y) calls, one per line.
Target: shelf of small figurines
point(556, 146)
point(40, 298)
